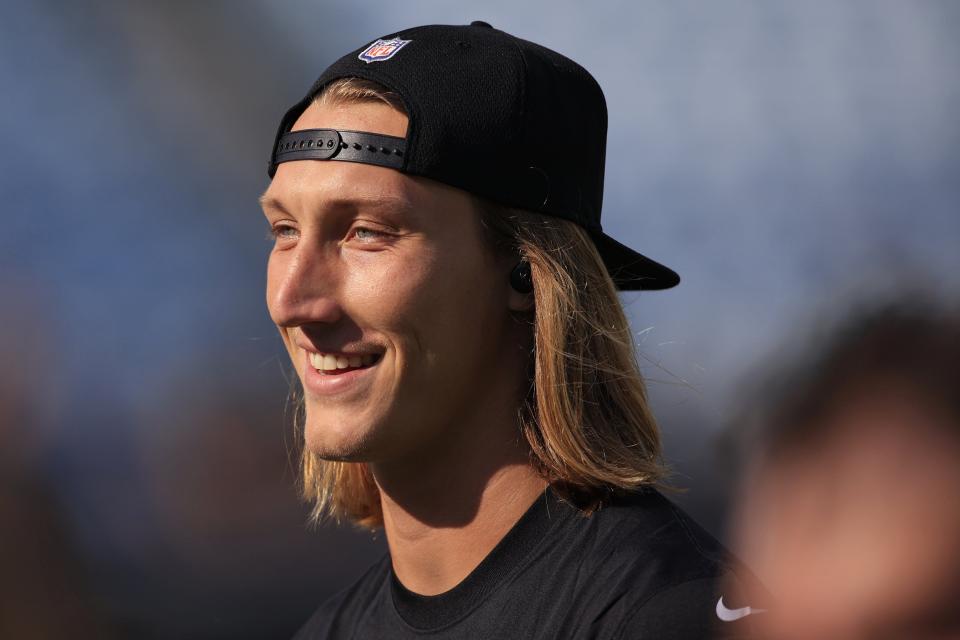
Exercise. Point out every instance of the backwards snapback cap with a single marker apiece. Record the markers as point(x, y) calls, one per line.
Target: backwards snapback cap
point(500, 117)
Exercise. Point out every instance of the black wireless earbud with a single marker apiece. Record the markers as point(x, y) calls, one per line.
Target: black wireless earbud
point(520, 278)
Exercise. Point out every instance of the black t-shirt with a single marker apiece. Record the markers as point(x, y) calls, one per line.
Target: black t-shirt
point(639, 567)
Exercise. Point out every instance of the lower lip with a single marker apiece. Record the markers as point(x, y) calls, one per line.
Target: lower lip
point(328, 384)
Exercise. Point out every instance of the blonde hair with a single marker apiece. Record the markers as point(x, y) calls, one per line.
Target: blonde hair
point(586, 417)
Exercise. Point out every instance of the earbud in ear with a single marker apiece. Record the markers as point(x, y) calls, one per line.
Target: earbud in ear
point(520, 278)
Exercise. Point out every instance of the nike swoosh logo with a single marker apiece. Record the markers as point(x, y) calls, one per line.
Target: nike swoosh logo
point(729, 615)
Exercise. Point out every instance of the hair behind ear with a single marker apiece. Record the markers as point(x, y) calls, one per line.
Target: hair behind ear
point(586, 418)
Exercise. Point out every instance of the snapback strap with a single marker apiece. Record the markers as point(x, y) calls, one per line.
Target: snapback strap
point(331, 144)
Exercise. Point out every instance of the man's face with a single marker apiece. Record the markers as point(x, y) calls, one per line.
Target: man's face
point(392, 309)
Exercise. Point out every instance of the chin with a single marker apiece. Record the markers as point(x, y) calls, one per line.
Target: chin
point(332, 437)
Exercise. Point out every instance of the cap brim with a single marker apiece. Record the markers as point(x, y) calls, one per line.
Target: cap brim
point(630, 270)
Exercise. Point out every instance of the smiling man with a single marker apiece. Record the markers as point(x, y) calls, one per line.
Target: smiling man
point(448, 298)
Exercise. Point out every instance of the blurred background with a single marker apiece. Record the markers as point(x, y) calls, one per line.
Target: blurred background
point(790, 160)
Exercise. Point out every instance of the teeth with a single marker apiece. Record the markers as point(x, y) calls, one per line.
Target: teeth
point(329, 362)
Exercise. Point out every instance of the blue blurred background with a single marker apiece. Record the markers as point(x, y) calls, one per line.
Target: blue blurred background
point(788, 159)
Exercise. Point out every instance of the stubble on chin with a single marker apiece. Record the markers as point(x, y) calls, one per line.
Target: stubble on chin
point(329, 438)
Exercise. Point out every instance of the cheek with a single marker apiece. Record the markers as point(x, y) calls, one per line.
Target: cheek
point(428, 299)
point(385, 285)
point(398, 291)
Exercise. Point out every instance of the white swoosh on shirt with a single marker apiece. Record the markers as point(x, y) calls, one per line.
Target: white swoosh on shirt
point(729, 615)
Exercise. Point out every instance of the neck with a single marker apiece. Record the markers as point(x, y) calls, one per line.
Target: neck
point(446, 510)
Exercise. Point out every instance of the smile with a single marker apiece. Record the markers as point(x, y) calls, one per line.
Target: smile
point(335, 363)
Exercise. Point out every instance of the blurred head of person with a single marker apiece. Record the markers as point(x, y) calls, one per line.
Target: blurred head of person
point(850, 506)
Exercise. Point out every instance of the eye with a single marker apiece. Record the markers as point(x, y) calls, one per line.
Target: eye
point(366, 234)
point(362, 233)
point(282, 232)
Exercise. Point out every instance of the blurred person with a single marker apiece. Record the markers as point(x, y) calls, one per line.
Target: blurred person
point(449, 301)
point(850, 511)
point(45, 586)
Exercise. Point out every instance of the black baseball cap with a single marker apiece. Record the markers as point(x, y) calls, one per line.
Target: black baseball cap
point(489, 113)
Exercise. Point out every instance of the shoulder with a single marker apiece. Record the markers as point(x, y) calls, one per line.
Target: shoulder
point(672, 572)
point(646, 528)
point(335, 617)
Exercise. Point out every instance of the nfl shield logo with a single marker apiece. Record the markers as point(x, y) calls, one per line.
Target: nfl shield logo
point(382, 50)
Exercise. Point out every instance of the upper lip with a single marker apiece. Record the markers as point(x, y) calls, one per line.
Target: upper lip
point(344, 351)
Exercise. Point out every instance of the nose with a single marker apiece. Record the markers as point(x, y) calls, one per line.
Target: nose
point(301, 288)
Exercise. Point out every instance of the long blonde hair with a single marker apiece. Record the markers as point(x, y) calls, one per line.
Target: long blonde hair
point(586, 417)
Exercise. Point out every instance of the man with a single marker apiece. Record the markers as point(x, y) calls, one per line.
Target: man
point(448, 298)
point(851, 511)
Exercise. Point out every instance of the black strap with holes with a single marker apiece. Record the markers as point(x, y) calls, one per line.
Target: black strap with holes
point(330, 144)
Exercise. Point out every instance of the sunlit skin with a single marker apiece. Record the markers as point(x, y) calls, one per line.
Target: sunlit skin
point(369, 261)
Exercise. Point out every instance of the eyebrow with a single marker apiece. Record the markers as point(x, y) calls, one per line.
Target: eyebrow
point(269, 202)
point(390, 203)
